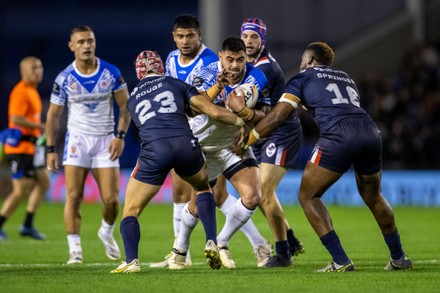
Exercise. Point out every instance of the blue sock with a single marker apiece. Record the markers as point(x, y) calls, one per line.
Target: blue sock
point(205, 203)
point(131, 235)
point(293, 241)
point(394, 244)
point(283, 249)
point(334, 247)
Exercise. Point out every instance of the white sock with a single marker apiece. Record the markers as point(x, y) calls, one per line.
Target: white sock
point(177, 216)
point(228, 204)
point(249, 229)
point(74, 241)
point(187, 225)
point(237, 216)
point(106, 229)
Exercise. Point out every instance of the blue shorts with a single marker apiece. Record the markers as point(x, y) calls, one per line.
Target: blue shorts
point(158, 157)
point(280, 148)
point(350, 141)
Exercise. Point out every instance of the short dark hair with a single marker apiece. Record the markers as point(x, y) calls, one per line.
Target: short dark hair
point(233, 44)
point(80, 29)
point(322, 52)
point(186, 21)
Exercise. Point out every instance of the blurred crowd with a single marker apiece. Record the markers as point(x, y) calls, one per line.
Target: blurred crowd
point(406, 107)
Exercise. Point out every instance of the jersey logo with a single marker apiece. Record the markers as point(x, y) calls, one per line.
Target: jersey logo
point(73, 153)
point(56, 89)
point(271, 149)
point(91, 107)
point(198, 82)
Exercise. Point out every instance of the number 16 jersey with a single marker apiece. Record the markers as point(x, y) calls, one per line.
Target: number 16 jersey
point(329, 95)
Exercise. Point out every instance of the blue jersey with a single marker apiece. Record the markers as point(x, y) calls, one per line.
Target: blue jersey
point(207, 77)
point(329, 95)
point(271, 69)
point(282, 145)
point(158, 105)
point(89, 97)
point(187, 72)
point(275, 77)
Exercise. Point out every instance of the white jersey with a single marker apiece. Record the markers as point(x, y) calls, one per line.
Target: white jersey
point(214, 135)
point(187, 72)
point(216, 138)
point(89, 97)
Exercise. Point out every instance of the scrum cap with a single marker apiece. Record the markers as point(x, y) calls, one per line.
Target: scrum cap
point(256, 25)
point(148, 62)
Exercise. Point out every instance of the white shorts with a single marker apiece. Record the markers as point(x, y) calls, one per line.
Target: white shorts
point(220, 161)
point(88, 151)
point(40, 156)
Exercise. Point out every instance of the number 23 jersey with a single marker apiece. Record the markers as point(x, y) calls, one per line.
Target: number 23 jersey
point(158, 105)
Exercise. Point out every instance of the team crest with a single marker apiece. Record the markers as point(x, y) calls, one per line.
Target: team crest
point(271, 149)
point(91, 107)
point(73, 153)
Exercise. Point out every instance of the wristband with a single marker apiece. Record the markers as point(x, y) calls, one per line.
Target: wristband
point(246, 113)
point(120, 134)
point(213, 92)
point(50, 149)
point(239, 122)
point(250, 139)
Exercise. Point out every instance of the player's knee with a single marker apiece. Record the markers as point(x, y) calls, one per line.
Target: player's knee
point(74, 198)
point(110, 202)
point(304, 198)
point(251, 201)
point(44, 185)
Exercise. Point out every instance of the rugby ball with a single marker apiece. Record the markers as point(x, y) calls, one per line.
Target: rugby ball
point(250, 93)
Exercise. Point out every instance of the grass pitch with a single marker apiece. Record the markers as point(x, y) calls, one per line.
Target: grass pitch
point(38, 266)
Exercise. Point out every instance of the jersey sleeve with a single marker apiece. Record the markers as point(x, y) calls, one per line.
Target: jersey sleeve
point(170, 64)
point(262, 84)
point(205, 77)
point(119, 80)
point(58, 95)
point(190, 91)
point(294, 86)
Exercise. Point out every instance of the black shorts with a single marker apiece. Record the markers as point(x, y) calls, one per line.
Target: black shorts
point(22, 165)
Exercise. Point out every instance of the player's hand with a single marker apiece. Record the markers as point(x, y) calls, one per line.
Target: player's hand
point(235, 102)
point(222, 79)
point(236, 148)
point(52, 162)
point(116, 148)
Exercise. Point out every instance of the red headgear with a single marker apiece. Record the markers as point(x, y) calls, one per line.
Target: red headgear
point(148, 61)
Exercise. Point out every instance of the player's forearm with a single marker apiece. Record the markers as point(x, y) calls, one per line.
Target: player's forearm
point(52, 126)
point(26, 123)
point(225, 116)
point(213, 92)
point(124, 120)
point(267, 125)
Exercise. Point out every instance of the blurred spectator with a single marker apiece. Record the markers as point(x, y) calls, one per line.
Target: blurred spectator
point(406, 108)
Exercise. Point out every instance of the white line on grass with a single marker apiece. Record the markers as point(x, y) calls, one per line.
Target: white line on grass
point(95, 264)
point(104, 264)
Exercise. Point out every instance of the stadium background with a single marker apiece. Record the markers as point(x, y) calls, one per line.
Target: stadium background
point(391, 48)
